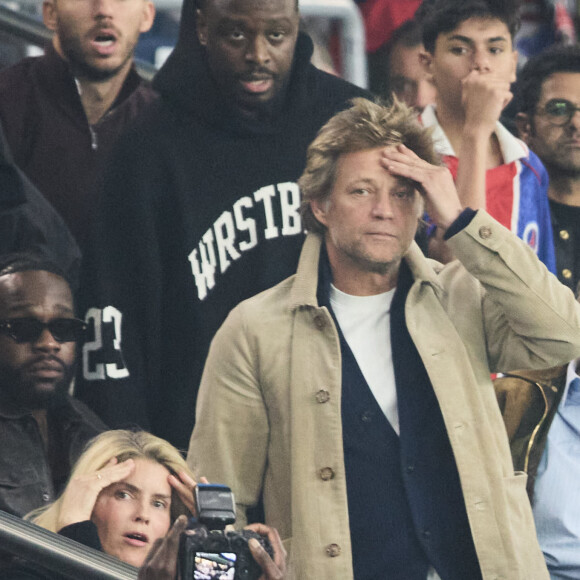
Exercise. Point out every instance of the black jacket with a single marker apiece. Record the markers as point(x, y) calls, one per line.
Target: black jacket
point(566, 229)
point(199, 213)
point(27, 479)
point(29, 223)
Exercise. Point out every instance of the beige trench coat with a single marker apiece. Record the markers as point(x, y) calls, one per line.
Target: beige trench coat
point(268, 414)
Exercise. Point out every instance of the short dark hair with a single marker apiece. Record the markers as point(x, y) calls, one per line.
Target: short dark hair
point(553, 60)
point(408, 34)
point(29, 261)
point(441, 16)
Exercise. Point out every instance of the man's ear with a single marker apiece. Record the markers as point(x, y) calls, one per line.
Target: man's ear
point(426, 60)
point(49, 14)
point(201, 26)
point(514, 66)
point(524, 127)
point(319, 208)
point(148, 17)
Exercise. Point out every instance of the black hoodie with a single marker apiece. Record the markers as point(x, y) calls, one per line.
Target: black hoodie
point(200, 212)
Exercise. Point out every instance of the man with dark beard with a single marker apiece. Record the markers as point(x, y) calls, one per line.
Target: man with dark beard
point(42, 429)
point(548, 121)
point(62, 112)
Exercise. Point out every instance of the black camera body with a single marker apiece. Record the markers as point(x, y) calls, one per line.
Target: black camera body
point(221, 555)
point(208, 552)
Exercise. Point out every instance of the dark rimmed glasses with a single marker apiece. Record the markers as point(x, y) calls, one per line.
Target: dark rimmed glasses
point(29, 329)
point(558, 111)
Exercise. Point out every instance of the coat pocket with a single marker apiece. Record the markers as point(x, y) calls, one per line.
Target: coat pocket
point(517, 497)
point(527, 557)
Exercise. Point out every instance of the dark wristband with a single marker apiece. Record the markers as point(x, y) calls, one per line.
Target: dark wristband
point(461, 222)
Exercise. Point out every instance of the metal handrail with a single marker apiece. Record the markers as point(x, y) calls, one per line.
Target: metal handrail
point(59, 554)
point(352, 40)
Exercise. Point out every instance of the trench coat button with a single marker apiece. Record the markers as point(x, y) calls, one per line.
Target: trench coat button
point(322, 396)
point(484, 232)
point(566, 274)
point(333, 550)
point(480, 505)
point(45, 497)
point(564, 235)
point(326, 473)
point(319, 321)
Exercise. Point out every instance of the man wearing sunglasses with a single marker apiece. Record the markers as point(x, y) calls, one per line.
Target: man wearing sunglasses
point(549, 122)
point(42, 428)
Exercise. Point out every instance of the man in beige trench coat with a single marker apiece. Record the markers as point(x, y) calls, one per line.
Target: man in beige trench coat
point(356, 395)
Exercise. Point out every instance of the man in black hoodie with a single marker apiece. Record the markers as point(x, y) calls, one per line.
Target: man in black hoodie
point(200, 206)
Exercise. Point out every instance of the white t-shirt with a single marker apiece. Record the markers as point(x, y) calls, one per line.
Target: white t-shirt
point(365, 322)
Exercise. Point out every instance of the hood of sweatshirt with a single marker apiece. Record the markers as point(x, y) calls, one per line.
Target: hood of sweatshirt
point(185, 83)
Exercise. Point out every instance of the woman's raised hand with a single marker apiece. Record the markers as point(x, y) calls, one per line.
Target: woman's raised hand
point(81, 493)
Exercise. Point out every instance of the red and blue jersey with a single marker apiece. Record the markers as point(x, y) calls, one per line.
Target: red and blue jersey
point(516, 192)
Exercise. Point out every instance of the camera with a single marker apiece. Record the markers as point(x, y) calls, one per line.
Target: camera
point(210, 552)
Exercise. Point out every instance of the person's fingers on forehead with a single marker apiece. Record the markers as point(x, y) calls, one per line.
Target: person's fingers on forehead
point(114, 472)
point(177, 483)
point(413, 171)
point(183, 490)
point(402, 148)
point(400, 152)
point(186, 479)
point(404, 163)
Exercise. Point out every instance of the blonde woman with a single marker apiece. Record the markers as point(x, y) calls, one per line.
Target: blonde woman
point(126, 488)
point(125, 492)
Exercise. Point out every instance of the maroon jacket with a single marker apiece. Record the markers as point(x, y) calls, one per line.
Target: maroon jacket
point(50, 138)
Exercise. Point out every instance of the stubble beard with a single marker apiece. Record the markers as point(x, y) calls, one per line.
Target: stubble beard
point(80, 67)
point(264, 110)
point(559, 163)
point(365, 261)
point(24, 393)
point(562, 167)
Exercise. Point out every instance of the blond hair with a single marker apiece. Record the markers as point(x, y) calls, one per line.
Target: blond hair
point(123, 445)
point(365, 125)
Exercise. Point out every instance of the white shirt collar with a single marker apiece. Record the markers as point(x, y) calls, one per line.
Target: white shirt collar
point(511, 147)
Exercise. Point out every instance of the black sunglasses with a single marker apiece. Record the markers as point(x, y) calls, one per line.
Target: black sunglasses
point(29, 329)
point(559, 111)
